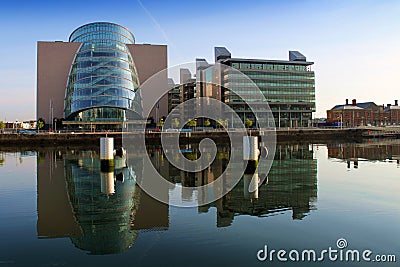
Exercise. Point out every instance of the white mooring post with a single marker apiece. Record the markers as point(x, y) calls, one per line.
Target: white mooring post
point(250, 177)
point(106, 152)
point(250, 153)
point(250, 186)
point(107, 182)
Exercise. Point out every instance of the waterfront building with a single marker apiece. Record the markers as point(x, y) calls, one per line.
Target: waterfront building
point(187, 91)
point(173, 96)
point(288, 85)
point(360, 114)
point(393, 113)
point(27, 125)
point(179, 93)
point(93, 78)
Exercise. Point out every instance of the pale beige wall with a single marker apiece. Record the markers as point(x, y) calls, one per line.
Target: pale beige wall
point(149, 60)
point(55, 213)
point(54, 61)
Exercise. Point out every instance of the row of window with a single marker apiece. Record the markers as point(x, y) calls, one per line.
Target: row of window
point(103, 71)
point(269, 75)
point(276, 92)
point(356, 115)
point(294, 110)
point(262, 83)
point(92, 56)
point(102, 91)
point(270, 66)
point(91, 37)
point(92, 62)
point(233, 98)
point(101, 113)
point(108, 101)
point(103, 80)
point(293, 115)
point(104, 53)
point(101, 27)
point(278, 108)
point(102, 45)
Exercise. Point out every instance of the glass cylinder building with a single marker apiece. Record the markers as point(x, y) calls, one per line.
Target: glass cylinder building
point(103, 82)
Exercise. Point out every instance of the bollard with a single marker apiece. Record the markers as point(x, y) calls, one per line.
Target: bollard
point(250, 186)
point(106, 152)
point(107, 182)
point(250, 153)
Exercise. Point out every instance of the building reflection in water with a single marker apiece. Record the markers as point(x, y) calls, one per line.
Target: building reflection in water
point(291, 184)
point(373, 150)
point(101, 211)
point(103, 206)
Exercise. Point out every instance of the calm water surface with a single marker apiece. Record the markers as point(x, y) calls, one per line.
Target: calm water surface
point(58, 209)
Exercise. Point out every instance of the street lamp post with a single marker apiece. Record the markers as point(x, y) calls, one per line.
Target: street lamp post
point(341, 120)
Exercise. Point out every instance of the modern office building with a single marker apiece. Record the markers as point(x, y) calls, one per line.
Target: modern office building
point(179, 93)
point(288, 85)
point(187, 91)
point(93, 78)
point(173, 96)
point(360, 114)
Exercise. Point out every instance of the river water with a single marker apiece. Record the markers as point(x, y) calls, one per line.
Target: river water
point(57, 208)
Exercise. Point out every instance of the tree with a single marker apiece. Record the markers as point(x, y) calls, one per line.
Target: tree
point(176, 122)
point(192, 123)
point(222, 123)
point(248, 123)
point(160, 123)
point(207, 123)
point(2, 125)
point(40, 123)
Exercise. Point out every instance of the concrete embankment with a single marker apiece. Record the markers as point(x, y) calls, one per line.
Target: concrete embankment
point(90, 139)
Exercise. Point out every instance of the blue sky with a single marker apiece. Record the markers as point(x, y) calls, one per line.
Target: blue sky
point(354, 44)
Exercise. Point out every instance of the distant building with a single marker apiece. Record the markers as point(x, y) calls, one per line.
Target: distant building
point(360, 114)
point(93, 78)
point(393, 112)
point(187, 91)
point(28, 125)
point(173, 96)
point(288, 85)
point(179, 93)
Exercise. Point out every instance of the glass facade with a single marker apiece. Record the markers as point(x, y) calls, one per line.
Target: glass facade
point(103, 216)
point(103, 82)
point(289, 88)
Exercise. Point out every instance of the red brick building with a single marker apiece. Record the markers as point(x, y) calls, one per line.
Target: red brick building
point(360, 114)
